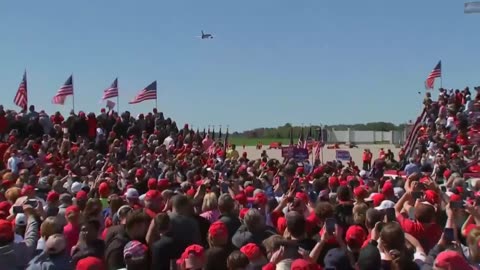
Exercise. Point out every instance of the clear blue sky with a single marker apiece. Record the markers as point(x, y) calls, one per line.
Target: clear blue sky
point(271, 62)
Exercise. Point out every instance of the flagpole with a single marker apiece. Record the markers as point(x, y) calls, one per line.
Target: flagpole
point(73, 97)
point(118, 103)
point(26, 89)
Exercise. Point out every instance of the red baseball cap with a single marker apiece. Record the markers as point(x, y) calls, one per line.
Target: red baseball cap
point(431, 196)
point(332, 180)
point(387, 189)
point(72, 209)
point(139, 173)
point(302, 196)
point(249, 190)
point(152, 194)
point(27, 190)
point(355, 235)
point(260, 198)
point(302, 264)
point(241, 198)
point(104, 189)
point(300, 170)
point(90, 263)
point(218, 229)
point(152, 183)
point(191, 192)
point(53, 196)
point(378, 199)
point(81, 195)
point(6, 231)
point(163, 184)
point(452, 260)
point(251, 250)
point(360, 192)
point(455, 198)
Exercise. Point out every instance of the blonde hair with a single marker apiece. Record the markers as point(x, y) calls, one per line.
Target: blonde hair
point(210, 202)
point(49, 227)
point(472, 241)
point(12, 194)
point(360, 213)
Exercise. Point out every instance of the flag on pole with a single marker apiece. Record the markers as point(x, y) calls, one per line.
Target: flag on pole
point(436, 73)
point(213, 133)
point(301, 140)
point(309, 137)
point(472, 7)
point(316, 150)
point(110, 104)
point(112, 91)
point(148, 93)
point(65, 90)
point(220, 134)
point(21, 98)
point(412, 139)
point(225, 142)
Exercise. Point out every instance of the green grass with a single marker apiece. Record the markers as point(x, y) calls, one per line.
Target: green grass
point(253, 141)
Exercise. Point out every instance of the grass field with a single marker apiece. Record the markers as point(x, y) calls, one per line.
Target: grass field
point(253, 141)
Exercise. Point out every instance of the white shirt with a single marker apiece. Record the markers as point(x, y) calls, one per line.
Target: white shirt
point(168, 141)
point(12, 164)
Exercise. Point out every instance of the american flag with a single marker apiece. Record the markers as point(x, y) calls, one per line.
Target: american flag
point(148, 93)
point(436, 73)
point(225, 142)
point(21, 98)
point(301, 140)
point(412, 139)
point(64, 91)
point(112, 91)
point(316, 150)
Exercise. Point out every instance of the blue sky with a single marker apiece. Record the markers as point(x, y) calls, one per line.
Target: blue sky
point(271, 62)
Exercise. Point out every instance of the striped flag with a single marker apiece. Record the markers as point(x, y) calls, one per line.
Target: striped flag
point(21, 98)
point(412, 139)
point(148, 93)
point(316, 150)
point(112, 91)
point(436, 73)
point(64, 91)
point(301, 140)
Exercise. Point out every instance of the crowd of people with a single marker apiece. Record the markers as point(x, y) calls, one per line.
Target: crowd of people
point(113, 191)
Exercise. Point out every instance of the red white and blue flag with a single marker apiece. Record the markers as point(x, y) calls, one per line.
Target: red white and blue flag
point(21, 98)
point(148, 93)
point(64, 91)
point(436, 73)
point(112, 91)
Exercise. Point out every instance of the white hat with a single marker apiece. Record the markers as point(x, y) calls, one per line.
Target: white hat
point(385, 205)
point(363, 173)
point(20, 220)
point(76, 187)
point(131, 193)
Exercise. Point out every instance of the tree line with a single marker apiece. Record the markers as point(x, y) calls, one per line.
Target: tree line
point(283, 132)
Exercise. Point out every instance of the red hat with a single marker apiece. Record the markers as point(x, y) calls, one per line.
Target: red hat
point(302, 196)
point(81, 195)
point(191, 192)
point(260, 198)
point(249, 190)
point(5, 206)
point(72, 209)
point(300, 170)
point(6, 231)
point(332, 180)
point(163, 184)
point(455, 198)
point(195, 250)
point(360, 192)
point(251, 250)
point(218, 229)
point(355, 236)
point(241, 198)
point(152, 194)
point(139, 173)
point(302, 264)
point(447, 174)
point(6, 184)
point(452, 260)
point(318, 171)
point(104, 190)
point(242, 213)
point(378, 199)
point(431, 197)
point(53, 196)
point(27, 190)
point(90, 263)
point(387, 189)
point(152, 183)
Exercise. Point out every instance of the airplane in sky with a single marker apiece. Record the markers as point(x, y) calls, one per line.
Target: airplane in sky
point(206, 36)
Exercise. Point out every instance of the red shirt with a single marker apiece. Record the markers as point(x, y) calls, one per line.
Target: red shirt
point(71, 234)
point(427, 235)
